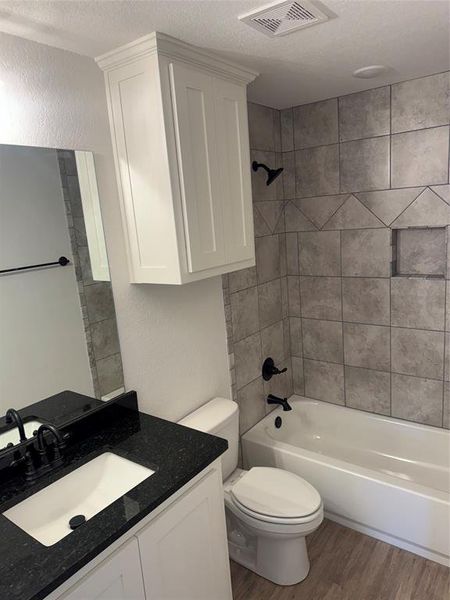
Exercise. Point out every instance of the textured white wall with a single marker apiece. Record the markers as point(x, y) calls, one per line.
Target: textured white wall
point(173, 339)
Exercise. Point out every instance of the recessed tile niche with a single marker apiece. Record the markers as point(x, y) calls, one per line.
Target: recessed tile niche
point(419, 252)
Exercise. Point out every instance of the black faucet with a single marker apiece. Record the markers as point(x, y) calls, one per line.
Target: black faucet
point(12, 416)
point(271, 399)
point(46, 456)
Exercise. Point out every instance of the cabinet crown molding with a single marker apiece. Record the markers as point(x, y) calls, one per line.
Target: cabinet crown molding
point(166, 45)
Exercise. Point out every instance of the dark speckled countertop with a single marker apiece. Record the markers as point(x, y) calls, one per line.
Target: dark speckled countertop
point(29, 570)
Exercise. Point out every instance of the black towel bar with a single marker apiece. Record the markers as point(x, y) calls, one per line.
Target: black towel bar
point(61, 262)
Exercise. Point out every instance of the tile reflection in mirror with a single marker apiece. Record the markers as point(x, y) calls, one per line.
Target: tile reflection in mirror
point(58, 326)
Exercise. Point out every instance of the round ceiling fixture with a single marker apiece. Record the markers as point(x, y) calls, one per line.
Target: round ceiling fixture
point(370, 72)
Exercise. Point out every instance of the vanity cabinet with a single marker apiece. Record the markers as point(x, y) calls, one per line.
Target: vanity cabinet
point(178, 118)
point(118, 577)
point(181, 553)
point(184, 551)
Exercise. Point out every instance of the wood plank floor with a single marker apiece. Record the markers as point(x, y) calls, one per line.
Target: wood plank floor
point(347, 565)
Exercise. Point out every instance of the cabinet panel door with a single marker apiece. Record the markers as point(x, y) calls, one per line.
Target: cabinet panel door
point(234, 164)
point(119, 577)
point(184, 552)
point(194, 119)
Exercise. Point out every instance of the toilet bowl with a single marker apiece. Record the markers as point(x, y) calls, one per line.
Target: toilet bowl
point(269, 511)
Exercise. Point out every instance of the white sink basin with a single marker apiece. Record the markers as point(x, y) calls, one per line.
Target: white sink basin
point(13, 434)
point(85, 491)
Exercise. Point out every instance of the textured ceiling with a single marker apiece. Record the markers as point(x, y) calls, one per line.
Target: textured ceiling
point(411, 37)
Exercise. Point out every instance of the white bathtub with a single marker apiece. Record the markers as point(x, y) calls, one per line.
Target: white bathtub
point(384, 477)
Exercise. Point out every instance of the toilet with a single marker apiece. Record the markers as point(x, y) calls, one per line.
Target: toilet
point(269, 511)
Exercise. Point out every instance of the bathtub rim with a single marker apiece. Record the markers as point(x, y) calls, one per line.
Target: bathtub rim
point(257, 434)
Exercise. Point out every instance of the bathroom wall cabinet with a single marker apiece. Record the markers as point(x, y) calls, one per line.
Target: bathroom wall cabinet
point(178, 118)
point(180, 552)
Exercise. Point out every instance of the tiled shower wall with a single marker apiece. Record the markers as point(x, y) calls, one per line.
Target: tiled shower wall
point(356, 168)
point(256, 303)
point(96, 299)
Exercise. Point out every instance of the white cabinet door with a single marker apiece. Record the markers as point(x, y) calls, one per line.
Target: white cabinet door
point(119, 577)
point(184, 551)
point(234, 166)
point(194, 120)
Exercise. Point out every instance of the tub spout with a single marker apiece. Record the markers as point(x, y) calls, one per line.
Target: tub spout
point(271, 399)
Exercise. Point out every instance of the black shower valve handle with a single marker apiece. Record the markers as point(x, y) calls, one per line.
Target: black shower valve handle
point(269, 369)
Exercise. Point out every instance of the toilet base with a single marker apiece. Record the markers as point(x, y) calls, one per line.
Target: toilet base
point(280, 559)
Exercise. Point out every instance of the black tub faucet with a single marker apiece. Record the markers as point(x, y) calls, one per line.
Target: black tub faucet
point(12, 416)
point(271, 399)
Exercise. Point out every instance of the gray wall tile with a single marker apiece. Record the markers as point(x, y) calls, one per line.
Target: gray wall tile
point(420, 103)
point(369, 390)
point(367, 346)
point(317, 171)
point(100, 303)
point(242, 279)
point(105, 339)
point(267, 258)
point(272, 342)
point(421, 251)
point(364, 114)
point(295, 220)
point(320, 209)
point(366, 253)
point(296, 336)
point(316, 124)
point(109, 373)
point(366, 300)
point(387, 205)
point(292, 253)
point(269, 295)
point(322, 340)
point(324, 381)
point(319, 253)
point(321, 297)
point(298, 378)
point(294, 296)
point(364, 165)
point(247, 357)
point(288, 175)
point(417, 352)
point(447, 358)
point(353, 215)
point(251, 402)
point(416, 399)
point(287, 130)
point(244, 313)
point(418, 303)
point(419, 158)
point(427, 210)
point(446, 415)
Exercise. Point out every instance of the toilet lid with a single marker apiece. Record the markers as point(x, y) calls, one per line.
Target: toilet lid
point(277, 493)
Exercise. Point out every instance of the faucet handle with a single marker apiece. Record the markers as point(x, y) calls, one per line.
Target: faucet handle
point(269, 369)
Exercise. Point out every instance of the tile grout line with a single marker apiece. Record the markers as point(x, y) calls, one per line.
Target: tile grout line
point(342, 323)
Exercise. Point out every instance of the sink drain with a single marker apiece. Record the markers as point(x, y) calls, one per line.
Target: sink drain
point(76, 521)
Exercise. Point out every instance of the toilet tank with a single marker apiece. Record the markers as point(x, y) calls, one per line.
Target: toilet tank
point(220, 417)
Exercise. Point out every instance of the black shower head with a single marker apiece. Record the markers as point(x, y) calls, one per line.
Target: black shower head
point(272, 174)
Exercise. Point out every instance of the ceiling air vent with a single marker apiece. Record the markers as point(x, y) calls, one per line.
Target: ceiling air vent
point(281, 18)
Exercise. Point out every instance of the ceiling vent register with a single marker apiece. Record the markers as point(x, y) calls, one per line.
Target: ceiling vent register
point(280, 18)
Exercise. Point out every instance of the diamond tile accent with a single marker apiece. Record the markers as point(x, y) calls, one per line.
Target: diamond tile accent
point(271, 212)
point(296, 220)
point(321, 208)
point(353, 215)
point(260, 225)
point(389, 204)
point(443, 191)
point(428, 210)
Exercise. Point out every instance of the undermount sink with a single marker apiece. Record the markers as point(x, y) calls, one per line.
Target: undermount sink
point(12, 435)
point(85, 491)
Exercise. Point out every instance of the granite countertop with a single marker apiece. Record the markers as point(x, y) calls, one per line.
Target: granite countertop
point(29, 570)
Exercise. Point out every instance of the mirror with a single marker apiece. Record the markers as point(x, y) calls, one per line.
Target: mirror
point(58, 326)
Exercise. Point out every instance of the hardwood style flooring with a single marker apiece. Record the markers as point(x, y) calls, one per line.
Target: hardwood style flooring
point(347, 565)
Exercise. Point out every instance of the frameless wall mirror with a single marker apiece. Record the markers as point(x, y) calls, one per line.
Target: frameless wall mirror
point(57, 320)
